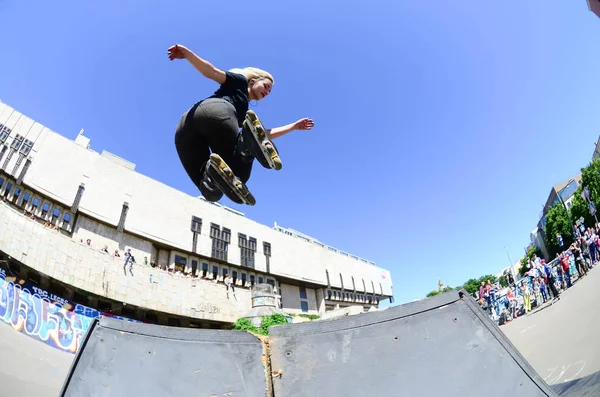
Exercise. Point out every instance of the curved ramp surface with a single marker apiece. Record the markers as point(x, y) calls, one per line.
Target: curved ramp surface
point(126, 359)
point(442, 346)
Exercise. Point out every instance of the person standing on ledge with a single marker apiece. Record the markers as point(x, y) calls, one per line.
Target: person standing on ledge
point(215, 154)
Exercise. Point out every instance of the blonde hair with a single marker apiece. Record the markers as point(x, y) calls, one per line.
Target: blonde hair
point(253, 73)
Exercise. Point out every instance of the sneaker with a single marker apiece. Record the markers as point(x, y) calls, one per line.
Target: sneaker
point(258, 143)
point(223, 177)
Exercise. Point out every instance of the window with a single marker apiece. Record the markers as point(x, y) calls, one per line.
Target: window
point(261, 280)
point(55, 214)
point(77, 199)
point(26, 148)
point(247, 250)
point(45, 209)
point(194, 267)
point(267, 252)
point(329, 294)
point(8, 188)
point(16, 195)
point(267, 248)
point(220, 241)
point(196, 228)
point(271, 282)
point(303, 293)
point(66, 221)
point(16, 143)
point(180, 260)
point(215, 272)
point(4, 133)
point(124, 210)
point(244, 276)
point(225, 272)
point(196, 224)
point(234, 276)
point(1, 182)
point(23, 171)
point(26, 198)
point(204, 269)
point(35, 204)
point(252, 280)
point(304, 306)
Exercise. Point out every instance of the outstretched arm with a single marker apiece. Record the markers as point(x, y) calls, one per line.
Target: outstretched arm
point(302, 124)
point(207, 69)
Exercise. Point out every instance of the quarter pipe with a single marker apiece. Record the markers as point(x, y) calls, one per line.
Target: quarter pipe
point(441, 346)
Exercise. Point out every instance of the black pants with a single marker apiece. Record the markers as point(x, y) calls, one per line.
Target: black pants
point(210, 125)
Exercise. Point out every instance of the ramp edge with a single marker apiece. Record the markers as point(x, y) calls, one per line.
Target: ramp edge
point(366, 319)
point(508, 346)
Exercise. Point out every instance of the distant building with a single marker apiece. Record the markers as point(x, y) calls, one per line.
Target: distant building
point(596, 154)
point(562, 193)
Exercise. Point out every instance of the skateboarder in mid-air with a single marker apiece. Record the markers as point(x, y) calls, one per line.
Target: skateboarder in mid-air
point(212, 125)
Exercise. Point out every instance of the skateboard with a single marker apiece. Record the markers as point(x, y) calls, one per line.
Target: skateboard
point(256, 136)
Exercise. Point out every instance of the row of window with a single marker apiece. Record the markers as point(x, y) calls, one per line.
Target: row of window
point(350, 296)
point(46, 210)
point(212, 272)
point(221, 238)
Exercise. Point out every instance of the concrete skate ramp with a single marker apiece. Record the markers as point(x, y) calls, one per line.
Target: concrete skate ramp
point(442, 346)
point(126, 359)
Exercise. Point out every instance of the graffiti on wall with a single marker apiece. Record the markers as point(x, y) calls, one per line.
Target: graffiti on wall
point(51, 319)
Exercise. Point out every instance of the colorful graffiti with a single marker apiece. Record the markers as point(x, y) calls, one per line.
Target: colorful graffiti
point(51, 319)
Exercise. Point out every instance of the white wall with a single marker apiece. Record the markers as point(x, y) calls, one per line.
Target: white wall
point(162, 214)
point(86, 268)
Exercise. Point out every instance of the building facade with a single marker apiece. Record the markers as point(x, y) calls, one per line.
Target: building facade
point(561, 194)
point(68, 211)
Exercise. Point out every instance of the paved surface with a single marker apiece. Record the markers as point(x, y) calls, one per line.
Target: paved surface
point(29, 368)
point(562, 341)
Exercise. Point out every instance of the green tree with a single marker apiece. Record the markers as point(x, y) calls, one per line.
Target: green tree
point(579, 208)
point(590, 177)
point(503, 281)
point(557, 222)
point(473, 285)
point(437, 291)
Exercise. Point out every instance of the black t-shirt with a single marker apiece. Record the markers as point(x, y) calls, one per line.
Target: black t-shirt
point(235, 91)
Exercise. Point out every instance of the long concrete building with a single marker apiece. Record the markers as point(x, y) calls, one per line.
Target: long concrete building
point(68, 214)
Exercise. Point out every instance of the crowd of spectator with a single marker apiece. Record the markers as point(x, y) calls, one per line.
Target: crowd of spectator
point(542, 282)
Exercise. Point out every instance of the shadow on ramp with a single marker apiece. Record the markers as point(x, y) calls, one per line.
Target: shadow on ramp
point(588, 386)
point(442, 346)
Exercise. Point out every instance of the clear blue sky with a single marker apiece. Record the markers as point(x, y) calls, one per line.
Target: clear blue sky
point(440, 126)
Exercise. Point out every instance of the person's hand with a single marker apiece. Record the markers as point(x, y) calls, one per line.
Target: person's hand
point(304, 124)
point(177, 51)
